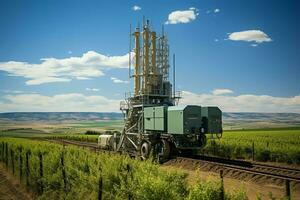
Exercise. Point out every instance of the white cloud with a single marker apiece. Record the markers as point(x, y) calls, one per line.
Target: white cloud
point(82, 78)
point(38, 81)
point(216, 10)
point(16, 91)
point(90, 64)
point(182, 16)
point(136, 8)
point(116, 80)
point(213, 11)
point(244, 103)
point(221, 91)
point(92, 89)
point(72, 102)
point(254, 45)
point(250, 36)
point(75, 102)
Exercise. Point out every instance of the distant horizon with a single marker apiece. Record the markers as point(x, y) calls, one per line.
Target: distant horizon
point(121, 112)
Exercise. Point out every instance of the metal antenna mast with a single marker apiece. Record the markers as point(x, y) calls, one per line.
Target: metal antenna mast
point(130, 51)
point(174, 75)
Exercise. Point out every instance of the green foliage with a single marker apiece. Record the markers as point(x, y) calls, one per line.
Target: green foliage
point(107, 124)
point(90, 132)
point(278, 145)
point(239, 194)
point(81, 138)
point(206, 191)
point(74, 173)
point(212, 190)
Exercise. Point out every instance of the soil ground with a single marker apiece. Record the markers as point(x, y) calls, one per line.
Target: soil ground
point(10, 189)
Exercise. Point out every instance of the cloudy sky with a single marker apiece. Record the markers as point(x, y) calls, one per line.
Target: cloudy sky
point(73, 55)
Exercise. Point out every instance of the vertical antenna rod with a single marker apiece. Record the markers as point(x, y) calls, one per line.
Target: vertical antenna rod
point(130, 51)
point(174, 75)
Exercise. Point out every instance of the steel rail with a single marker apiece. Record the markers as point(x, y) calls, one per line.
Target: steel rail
point(247, 169)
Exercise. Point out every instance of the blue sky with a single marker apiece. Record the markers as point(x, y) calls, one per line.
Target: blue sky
point(238, 55)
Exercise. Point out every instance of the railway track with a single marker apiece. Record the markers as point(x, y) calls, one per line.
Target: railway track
point(227, 166)
point(279, 172)
point(234, 168)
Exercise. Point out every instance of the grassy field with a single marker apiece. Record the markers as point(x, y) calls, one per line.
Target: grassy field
point(81, 137)
point(54, 128)
point(108, 124)
point(272, 144)
point(51, 171)
point(69, 131)
point(83, 169)
point(275, 145)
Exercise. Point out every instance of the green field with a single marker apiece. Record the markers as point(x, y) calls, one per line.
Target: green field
point(81, 137)
point(79, 175)
point(270, 145)
point(108, 124)
point(51, 171)
point(275, 145)
point(23, 133)
point(42, 129)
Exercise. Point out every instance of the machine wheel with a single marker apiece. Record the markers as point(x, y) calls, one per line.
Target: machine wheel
point(145, 150)
point(164, 149)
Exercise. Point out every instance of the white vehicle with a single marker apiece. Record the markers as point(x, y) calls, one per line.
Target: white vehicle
point(107, 142)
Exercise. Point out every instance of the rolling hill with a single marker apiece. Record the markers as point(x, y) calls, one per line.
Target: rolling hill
point(230, 120)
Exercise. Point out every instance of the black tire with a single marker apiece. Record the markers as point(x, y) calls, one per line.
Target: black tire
point(145, 150)
point(164, 149)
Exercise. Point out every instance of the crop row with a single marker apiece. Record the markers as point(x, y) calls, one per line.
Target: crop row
point(52, 171)
point(273, 146)
point(81, 138)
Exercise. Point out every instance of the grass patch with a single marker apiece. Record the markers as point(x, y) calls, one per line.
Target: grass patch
point(275, 145)
point(52, 171)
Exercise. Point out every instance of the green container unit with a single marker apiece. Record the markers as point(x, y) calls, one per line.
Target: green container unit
point(212, 119)
point(155, 118)
point(184, 119)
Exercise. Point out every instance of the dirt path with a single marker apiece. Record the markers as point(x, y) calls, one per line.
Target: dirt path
point(10, 188)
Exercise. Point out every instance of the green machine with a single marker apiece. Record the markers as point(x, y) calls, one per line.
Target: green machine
point(212, 120)
point(185, 125)
point(184, 119)
point(188, 119)
point(153, 120)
